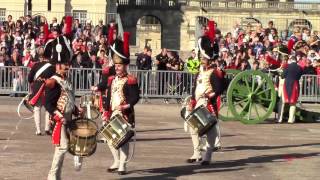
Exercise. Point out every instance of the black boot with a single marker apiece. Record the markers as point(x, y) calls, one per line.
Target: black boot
point(193, 160)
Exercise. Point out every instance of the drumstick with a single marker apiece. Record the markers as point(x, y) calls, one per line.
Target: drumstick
point(88, 111)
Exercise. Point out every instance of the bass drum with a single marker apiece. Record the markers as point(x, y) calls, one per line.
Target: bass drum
point(83, 134)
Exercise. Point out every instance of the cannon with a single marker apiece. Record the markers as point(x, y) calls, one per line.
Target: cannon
point(251, 98)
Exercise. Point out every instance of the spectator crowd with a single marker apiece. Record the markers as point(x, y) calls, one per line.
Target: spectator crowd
point(22, 44)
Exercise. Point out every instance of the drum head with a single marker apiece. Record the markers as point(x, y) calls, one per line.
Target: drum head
point(202, 119)
point(84, 128)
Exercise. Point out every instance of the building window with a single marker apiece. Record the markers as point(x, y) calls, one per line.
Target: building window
point(29, 5)
point(49, 5)
point(149, 20)
point(81, 15)
point(2, 15)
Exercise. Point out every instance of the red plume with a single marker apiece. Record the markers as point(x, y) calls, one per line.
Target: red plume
point(46, 31)
point(291, 43)
point(211, 32)
point(68, 24)
point(126, 37)
point(272, 61)
point(110, 35)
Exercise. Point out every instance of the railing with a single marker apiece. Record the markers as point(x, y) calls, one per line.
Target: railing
point(239, 4)
point(310, 88)
point(149, 3)
point(153, 84)
point(149, 27)
point(81, 15)
point(13, 80)
point(282, 24)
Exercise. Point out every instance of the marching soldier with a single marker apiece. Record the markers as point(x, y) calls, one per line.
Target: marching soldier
point(37, 76)
point(60, 99)
point(290, 93)
point(208, 86)
point(122, 95)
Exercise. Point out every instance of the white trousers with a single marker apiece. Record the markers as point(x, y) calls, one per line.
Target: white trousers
point(120, 156)
point(292, 111)
point(58, 157)
point(211, 140)
point(38, 119)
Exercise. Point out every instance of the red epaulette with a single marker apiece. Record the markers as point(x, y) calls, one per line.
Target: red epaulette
point(132, 80)
point(285, 65)
point(219, 73)
point(106, 70)
point(50, 83)
point(110, 79)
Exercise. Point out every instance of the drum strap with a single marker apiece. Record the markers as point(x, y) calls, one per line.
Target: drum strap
point(41, 70)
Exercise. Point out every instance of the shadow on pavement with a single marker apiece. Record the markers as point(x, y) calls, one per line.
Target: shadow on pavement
point(219, 166)
point(235, 148)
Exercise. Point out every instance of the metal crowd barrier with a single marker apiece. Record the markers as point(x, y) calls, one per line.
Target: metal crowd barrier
point(310, 88)
point(13, 80)
point(153, 84)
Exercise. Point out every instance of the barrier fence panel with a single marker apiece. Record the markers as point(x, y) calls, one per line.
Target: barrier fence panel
point(164, 84)
point(310, 88)
point(152, 84)
point(82, 79)
point(13, 80)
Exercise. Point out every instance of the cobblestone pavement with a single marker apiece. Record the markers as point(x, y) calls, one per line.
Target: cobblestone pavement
point(263, 152)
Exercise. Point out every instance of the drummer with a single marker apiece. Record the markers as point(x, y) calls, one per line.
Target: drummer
point(60, 99)
point(122, 95)
point(208, 86)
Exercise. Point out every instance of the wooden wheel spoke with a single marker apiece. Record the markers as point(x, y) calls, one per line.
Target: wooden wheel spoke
point(256, 109)
point(247, 84)
point(265, 99)
point(253, 83)
point(249, 113)
point(240, 95)
point(264, 91)
point(259, 86)
point(245, 106)
point(241, 101)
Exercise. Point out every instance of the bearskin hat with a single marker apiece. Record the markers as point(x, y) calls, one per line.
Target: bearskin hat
point(58, 50)
point(120, 50)
point(207, 45)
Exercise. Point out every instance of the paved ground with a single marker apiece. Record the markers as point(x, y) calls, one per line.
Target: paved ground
point(265, 151)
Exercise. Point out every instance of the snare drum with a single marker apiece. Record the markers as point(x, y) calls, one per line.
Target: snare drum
point(201, 120)
point(117, 131)
point(83, 137)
